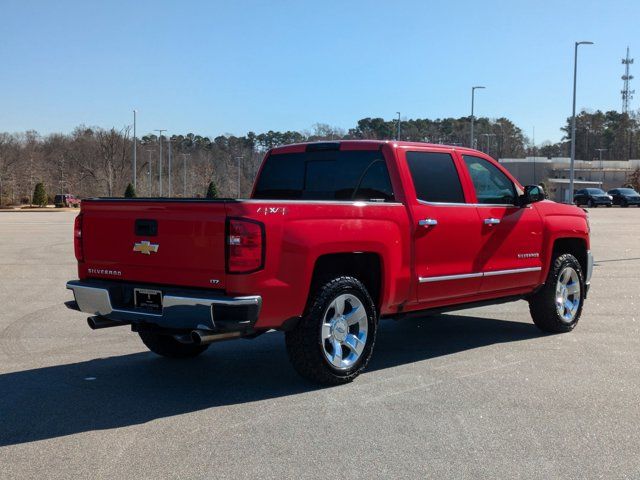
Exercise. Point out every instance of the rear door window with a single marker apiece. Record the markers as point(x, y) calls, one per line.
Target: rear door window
point(325, 175)
point(435, 177)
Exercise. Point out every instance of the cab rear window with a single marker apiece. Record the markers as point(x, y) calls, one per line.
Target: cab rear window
point(325, 175)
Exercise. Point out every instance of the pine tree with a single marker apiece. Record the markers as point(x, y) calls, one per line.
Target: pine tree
point(40, 195)
point(212, 191)
point(130, 192)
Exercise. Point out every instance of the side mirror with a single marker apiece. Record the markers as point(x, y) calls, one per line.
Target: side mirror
point(532, 194)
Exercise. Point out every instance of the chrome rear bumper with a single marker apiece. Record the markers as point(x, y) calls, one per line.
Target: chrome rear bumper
point(185, 309)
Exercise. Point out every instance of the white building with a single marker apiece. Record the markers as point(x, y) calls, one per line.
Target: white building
point(554, 173)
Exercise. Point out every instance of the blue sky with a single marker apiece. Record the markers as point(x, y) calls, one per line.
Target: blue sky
point(230, 67)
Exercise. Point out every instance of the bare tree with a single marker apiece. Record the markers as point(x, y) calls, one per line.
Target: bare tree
point(112, 161)
point(9, 157)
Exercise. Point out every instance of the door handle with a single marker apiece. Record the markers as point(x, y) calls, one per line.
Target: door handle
point(428, 222)
point(491, 221)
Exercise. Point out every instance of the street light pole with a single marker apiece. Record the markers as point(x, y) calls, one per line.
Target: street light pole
point(150, 192)
point(398, 134)
point(160, 130)
point(170, 155)
point(488, 137)
point(135, 148)
point(533, 143)
point(500, 147)
point(184, 174)
point(473, 94)
point(573, 120)
point(600, 150)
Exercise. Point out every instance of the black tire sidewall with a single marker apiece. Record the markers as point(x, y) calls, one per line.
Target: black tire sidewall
point(543, 306)
point(304, 342)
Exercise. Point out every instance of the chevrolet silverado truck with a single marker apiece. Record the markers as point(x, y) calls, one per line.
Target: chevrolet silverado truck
point(335, 237)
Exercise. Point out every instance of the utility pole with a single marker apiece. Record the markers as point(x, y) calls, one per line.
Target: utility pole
point(135, 148)
point(160, 130)
point(572, 172)
point(398, 134)
point(473, 94)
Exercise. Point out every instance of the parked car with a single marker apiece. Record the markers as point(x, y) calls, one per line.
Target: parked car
point(592, 197)
point(335, 237)
point(66, 200)
point(625, 197)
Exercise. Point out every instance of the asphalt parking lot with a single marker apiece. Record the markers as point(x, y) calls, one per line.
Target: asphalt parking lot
point(476, 394)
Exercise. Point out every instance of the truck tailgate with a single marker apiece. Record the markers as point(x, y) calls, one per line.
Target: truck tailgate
point(177, 242)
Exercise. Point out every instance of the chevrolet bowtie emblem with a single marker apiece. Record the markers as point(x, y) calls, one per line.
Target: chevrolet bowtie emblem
point(146, 247)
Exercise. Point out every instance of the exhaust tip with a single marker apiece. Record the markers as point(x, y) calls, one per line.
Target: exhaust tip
point(92, 323)
point(98, 322)
point(203, 337)
point(196, 337)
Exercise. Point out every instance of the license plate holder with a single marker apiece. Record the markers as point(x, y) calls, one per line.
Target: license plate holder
point(147, 299)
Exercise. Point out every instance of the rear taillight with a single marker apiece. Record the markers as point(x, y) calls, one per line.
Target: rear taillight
point(77, 238)
point(245, 245)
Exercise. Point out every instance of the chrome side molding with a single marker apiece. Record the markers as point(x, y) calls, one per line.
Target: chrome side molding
point(442, 278)
point(513, 270)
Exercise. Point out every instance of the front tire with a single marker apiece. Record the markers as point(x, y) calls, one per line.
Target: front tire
point(557, 306)
point(168, 346)
point(333, 342)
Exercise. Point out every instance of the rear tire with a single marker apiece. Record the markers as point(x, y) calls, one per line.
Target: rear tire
point(168, 346)
point(624, 204)
point(590, 204)
point(557, 306)
point(333, 342)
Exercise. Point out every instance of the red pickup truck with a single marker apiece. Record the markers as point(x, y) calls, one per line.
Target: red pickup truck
point(335, 237)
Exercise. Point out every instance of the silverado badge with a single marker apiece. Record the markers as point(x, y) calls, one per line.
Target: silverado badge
point(146, 247)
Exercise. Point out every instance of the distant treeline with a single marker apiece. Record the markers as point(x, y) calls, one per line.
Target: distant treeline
point(93, 161)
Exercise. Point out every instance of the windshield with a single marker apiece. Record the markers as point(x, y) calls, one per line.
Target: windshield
point(627, 191)
point(325, 175)
point(595, 191)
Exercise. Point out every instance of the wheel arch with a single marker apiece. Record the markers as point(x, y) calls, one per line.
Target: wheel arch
point(575, 246)
point(365, 266)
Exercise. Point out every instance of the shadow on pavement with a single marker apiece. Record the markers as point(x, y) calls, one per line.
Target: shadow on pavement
point(131, 389)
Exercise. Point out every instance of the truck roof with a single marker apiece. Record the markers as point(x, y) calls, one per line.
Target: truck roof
point(359, 145)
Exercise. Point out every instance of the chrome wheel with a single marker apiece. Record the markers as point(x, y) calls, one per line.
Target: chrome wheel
point(344, 331)
point(568, 294)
